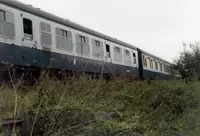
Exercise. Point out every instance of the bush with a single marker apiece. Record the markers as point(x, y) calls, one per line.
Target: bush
point(69, 107)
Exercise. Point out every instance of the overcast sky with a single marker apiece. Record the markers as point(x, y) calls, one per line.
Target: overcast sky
point(157, 26)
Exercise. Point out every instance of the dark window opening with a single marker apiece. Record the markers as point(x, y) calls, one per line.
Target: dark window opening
point(134, 58)
point(133, 55)
point(108, 50)
point(27, 26)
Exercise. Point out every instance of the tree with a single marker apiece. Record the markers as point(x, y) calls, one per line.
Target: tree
point(188, 64)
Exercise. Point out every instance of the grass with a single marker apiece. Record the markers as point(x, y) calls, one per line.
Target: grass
point(70, 107)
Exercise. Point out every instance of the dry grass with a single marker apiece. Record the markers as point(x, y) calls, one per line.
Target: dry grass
point(54, 107)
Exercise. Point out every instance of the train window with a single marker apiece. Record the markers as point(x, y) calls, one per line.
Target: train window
point(108, 50)
point(27, 26)
point(97, 48)
point(46, 39)
point(156, 64)
point(48, 28)
point(9, 17)
point(134, 58)
point(117, 49)
point(43, 27)
point(117, 54)
point(164, 67)
point(2, 15)
point(151, 63)
point(82, 47)
point(58, 32)
point(148, 62)
point(82, 39)
point(144, 61)
point(7, 28)
point(127, 57)
point(167, 69)
point(63, 33)
point(161, 67)
point(127, 53)
point(64, 40)
point(28, 29)
point(97, 43)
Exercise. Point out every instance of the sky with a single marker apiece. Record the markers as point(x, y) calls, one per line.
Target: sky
point(156, 26)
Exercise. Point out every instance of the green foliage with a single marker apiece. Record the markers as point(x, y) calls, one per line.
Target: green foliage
point(188, 63)
point(70, 107)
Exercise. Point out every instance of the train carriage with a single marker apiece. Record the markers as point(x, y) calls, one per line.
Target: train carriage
point(31, 39)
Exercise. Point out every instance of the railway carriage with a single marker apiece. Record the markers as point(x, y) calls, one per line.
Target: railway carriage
point(31, 39)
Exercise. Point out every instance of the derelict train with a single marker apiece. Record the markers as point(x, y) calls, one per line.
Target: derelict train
point(31, 39)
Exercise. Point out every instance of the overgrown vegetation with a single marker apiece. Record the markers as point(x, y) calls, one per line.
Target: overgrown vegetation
point(97, 107)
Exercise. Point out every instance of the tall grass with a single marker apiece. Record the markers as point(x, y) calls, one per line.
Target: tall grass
point(86, 106)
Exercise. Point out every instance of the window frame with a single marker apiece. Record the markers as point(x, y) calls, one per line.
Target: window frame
point(156, 64)
point(82, 39)
point(4, 15)
point(118, 48)
point(144, 61)
point(45, 31)
point(151, 63)
point(63, 30)
point(161, 67)
point(10, 22)
point(97, 43)
point(127, 52)
point(148, 62)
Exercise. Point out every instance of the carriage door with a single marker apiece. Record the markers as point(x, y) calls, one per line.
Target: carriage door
point(28, 38)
